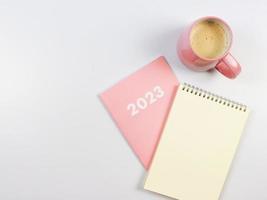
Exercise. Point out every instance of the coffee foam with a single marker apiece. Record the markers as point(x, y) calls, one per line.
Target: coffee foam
point(209, 39)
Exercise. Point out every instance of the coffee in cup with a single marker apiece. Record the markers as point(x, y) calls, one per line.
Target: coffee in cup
point(205, 45)
point(209, 39)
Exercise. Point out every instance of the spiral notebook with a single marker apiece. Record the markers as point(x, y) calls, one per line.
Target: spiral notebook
point(197, 145)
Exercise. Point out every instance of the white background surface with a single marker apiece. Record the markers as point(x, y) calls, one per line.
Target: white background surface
point(58, 142)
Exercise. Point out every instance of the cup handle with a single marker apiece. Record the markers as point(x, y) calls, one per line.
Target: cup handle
point(228, 66)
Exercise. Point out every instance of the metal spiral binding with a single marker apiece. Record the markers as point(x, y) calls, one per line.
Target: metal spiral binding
point(213, 97)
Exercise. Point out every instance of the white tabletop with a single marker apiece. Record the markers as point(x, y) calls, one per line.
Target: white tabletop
point(58, 142)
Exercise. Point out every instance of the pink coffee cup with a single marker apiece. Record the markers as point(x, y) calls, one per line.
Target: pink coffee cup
point(205, 45)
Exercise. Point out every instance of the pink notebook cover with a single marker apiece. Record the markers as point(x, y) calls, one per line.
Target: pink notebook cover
point(139, 105)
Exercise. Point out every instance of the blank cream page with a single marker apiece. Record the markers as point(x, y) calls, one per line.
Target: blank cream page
point(197, 146)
